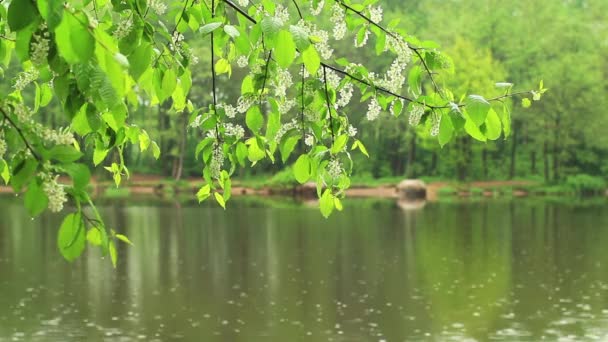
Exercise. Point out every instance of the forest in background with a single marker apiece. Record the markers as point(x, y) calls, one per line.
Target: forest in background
point(564, 43)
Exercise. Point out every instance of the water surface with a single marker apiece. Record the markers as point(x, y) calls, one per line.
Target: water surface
point(522, 270)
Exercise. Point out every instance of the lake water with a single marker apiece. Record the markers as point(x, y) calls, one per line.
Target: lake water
point(275, 270)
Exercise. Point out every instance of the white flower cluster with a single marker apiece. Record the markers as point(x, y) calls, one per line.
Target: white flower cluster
point(312, 115)
point(230, 110)
point(40, 46)
point(124, 27)
point(197, 121)
point(63, 136)
point(281, 13)
point(188, 53)
point(176, 41)
point(282, 82)
point(309, 140)
point(23, 113)
point(402, 49)
point(373, 110)
point(54, 191)
point(157, 6)
point(322, 44)
point(243, 3)
point(317, 10)
point(346, 94)
point(333, 79)
point(352, 131)
point(217, 161)
point(435, 125)
point(416, 114)
point(242, 61)
point(337, 19)
point(334, 168)
point(375, 14)
point(26, 77)
point(243, 104)
point(234, 130)
point(285, 106)
point(293, 124)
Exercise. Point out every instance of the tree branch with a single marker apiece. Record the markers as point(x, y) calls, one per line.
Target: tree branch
point(20, 132)
point(331, 122)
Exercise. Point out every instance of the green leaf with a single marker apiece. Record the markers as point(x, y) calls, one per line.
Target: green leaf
point(80, 174)
point(99, 154)
point(287, 145)
point(222, 66)
point(478, 108)
point(311, 59)
point(4, 171)
point(493, 126)
point(203, 193)
point(339, 144)
point(241, 153)
point(113, 255)
point(232, 31)
point(21, 13)
point(254, 119)
point(526, 103)
point(71, 237)
point(51, 11)
point(302, 169)
point(64, 154)
point(300, 37)
point(124, 239)
point(326, 203)
point(139, 60)
point(74, 42)
point(155, 150)
point(359, 144)
point(168, 85)
point(446, 130)
point(80, 122)
point(144, 140)
point(285, 49)
point(414, 80)
point(35, 200)
point(255, 152)
point(209, 28)
point(94, 236)
point(270, 27)
point(22, 173)
point(219, 199)
point(473, 130)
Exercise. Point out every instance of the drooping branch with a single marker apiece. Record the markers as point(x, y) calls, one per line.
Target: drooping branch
point(20, 132)
point(416, 50)
point(327, 100)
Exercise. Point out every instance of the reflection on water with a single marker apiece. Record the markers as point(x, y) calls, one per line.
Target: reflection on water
point(499, 270)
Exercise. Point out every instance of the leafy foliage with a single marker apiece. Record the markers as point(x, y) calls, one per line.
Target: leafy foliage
point(103, 61)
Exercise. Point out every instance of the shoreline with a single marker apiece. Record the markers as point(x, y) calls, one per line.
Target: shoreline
point(158, 186)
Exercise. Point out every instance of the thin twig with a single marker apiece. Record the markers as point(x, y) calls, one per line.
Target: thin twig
point(20, 132)
point(331, 120)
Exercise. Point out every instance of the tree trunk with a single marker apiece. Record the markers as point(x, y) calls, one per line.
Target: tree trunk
point(484, 163)
point(513, 165)
point(182, 149)
point(411, 157)
point(546, 160)
point(533, 162)
point(556, 150)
